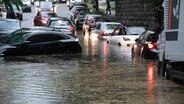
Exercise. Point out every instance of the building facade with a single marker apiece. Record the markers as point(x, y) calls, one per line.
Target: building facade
point(136, 13)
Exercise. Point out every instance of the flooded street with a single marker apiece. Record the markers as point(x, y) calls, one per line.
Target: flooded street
point(101, 74)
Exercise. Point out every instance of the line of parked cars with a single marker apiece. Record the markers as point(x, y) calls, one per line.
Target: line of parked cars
point(51, 34)
point(142, 42)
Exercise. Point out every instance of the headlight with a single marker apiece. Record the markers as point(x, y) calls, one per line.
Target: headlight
point(51, 9)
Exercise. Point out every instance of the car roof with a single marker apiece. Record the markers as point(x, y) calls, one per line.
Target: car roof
point(59, 18)
point(27, 34)
point(5, 19)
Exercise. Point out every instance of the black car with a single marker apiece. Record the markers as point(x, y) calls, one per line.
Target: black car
point(7, 26)
point(39, 42)
point(146, 45)
point(42, 28)
point(15, 12)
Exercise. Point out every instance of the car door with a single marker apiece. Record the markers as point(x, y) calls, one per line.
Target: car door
point(117, 36)
point(97, 29)
point(45, 43)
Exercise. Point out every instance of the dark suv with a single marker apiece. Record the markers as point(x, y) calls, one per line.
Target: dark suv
point(15, 12)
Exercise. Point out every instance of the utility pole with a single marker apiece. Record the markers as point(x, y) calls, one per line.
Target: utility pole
point(96, 2)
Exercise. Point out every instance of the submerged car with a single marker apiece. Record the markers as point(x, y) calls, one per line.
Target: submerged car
point(125, 36)
point(39, 42)
point(103, 29)
point(146, 45)
point(15, 12)
point(62, 23)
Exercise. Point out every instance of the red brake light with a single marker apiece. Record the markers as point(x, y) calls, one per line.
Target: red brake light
point(152, 45)
point(71, 28)
point(104, 33)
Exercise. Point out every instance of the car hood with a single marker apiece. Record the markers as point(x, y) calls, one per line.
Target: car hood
point(6, 31)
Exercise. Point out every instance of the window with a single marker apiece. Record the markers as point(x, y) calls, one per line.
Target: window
point(112, 26)
point(16, 38)
point(46, 38)
point(98, 26)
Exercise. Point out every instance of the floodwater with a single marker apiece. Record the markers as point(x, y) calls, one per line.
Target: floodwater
point(101, 74)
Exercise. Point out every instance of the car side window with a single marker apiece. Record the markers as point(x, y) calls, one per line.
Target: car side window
point(142, 36)
point(98, 26)
point(46, 38)
point(147, 37)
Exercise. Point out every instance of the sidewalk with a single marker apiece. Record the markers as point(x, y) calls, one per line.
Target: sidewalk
point(102, 6)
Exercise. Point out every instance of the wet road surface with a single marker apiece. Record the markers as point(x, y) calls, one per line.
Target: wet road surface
point(101, 74)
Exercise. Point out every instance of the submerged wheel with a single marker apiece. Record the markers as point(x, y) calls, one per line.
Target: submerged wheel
point(168, 71)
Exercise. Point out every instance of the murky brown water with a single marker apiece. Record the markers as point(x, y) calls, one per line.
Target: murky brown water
point(102, 74)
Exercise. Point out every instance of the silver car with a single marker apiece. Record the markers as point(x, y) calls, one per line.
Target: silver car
point(103, 29)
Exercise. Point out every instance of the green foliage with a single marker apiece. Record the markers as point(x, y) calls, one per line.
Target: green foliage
point(156, 2)
point(8, 3)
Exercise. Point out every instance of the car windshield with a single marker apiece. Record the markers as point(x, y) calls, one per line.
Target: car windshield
point(45, 4)
point(59, 23)
point(112, 26)
point(135, 30)
point(46, 14)
point(9, 25)
point(16, 37)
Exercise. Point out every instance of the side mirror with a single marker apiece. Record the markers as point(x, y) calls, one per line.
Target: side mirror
point(137, 40)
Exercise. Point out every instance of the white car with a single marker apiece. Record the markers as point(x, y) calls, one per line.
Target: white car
point(26, 5)
point(103, 29)
point(125, 36)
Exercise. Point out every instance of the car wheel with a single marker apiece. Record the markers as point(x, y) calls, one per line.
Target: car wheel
point(168, 74)
point(107, 42)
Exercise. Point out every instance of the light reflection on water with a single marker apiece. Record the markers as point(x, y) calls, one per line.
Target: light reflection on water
point(150, 84)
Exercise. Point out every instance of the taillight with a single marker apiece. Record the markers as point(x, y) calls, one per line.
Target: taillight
point(103, 33)
point(71, 27)
point(152, 45)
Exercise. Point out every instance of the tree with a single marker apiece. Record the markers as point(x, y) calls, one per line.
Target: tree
point(8, 3)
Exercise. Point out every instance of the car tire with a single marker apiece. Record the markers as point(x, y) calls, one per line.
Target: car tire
point(107, 42)
point(168, 74)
